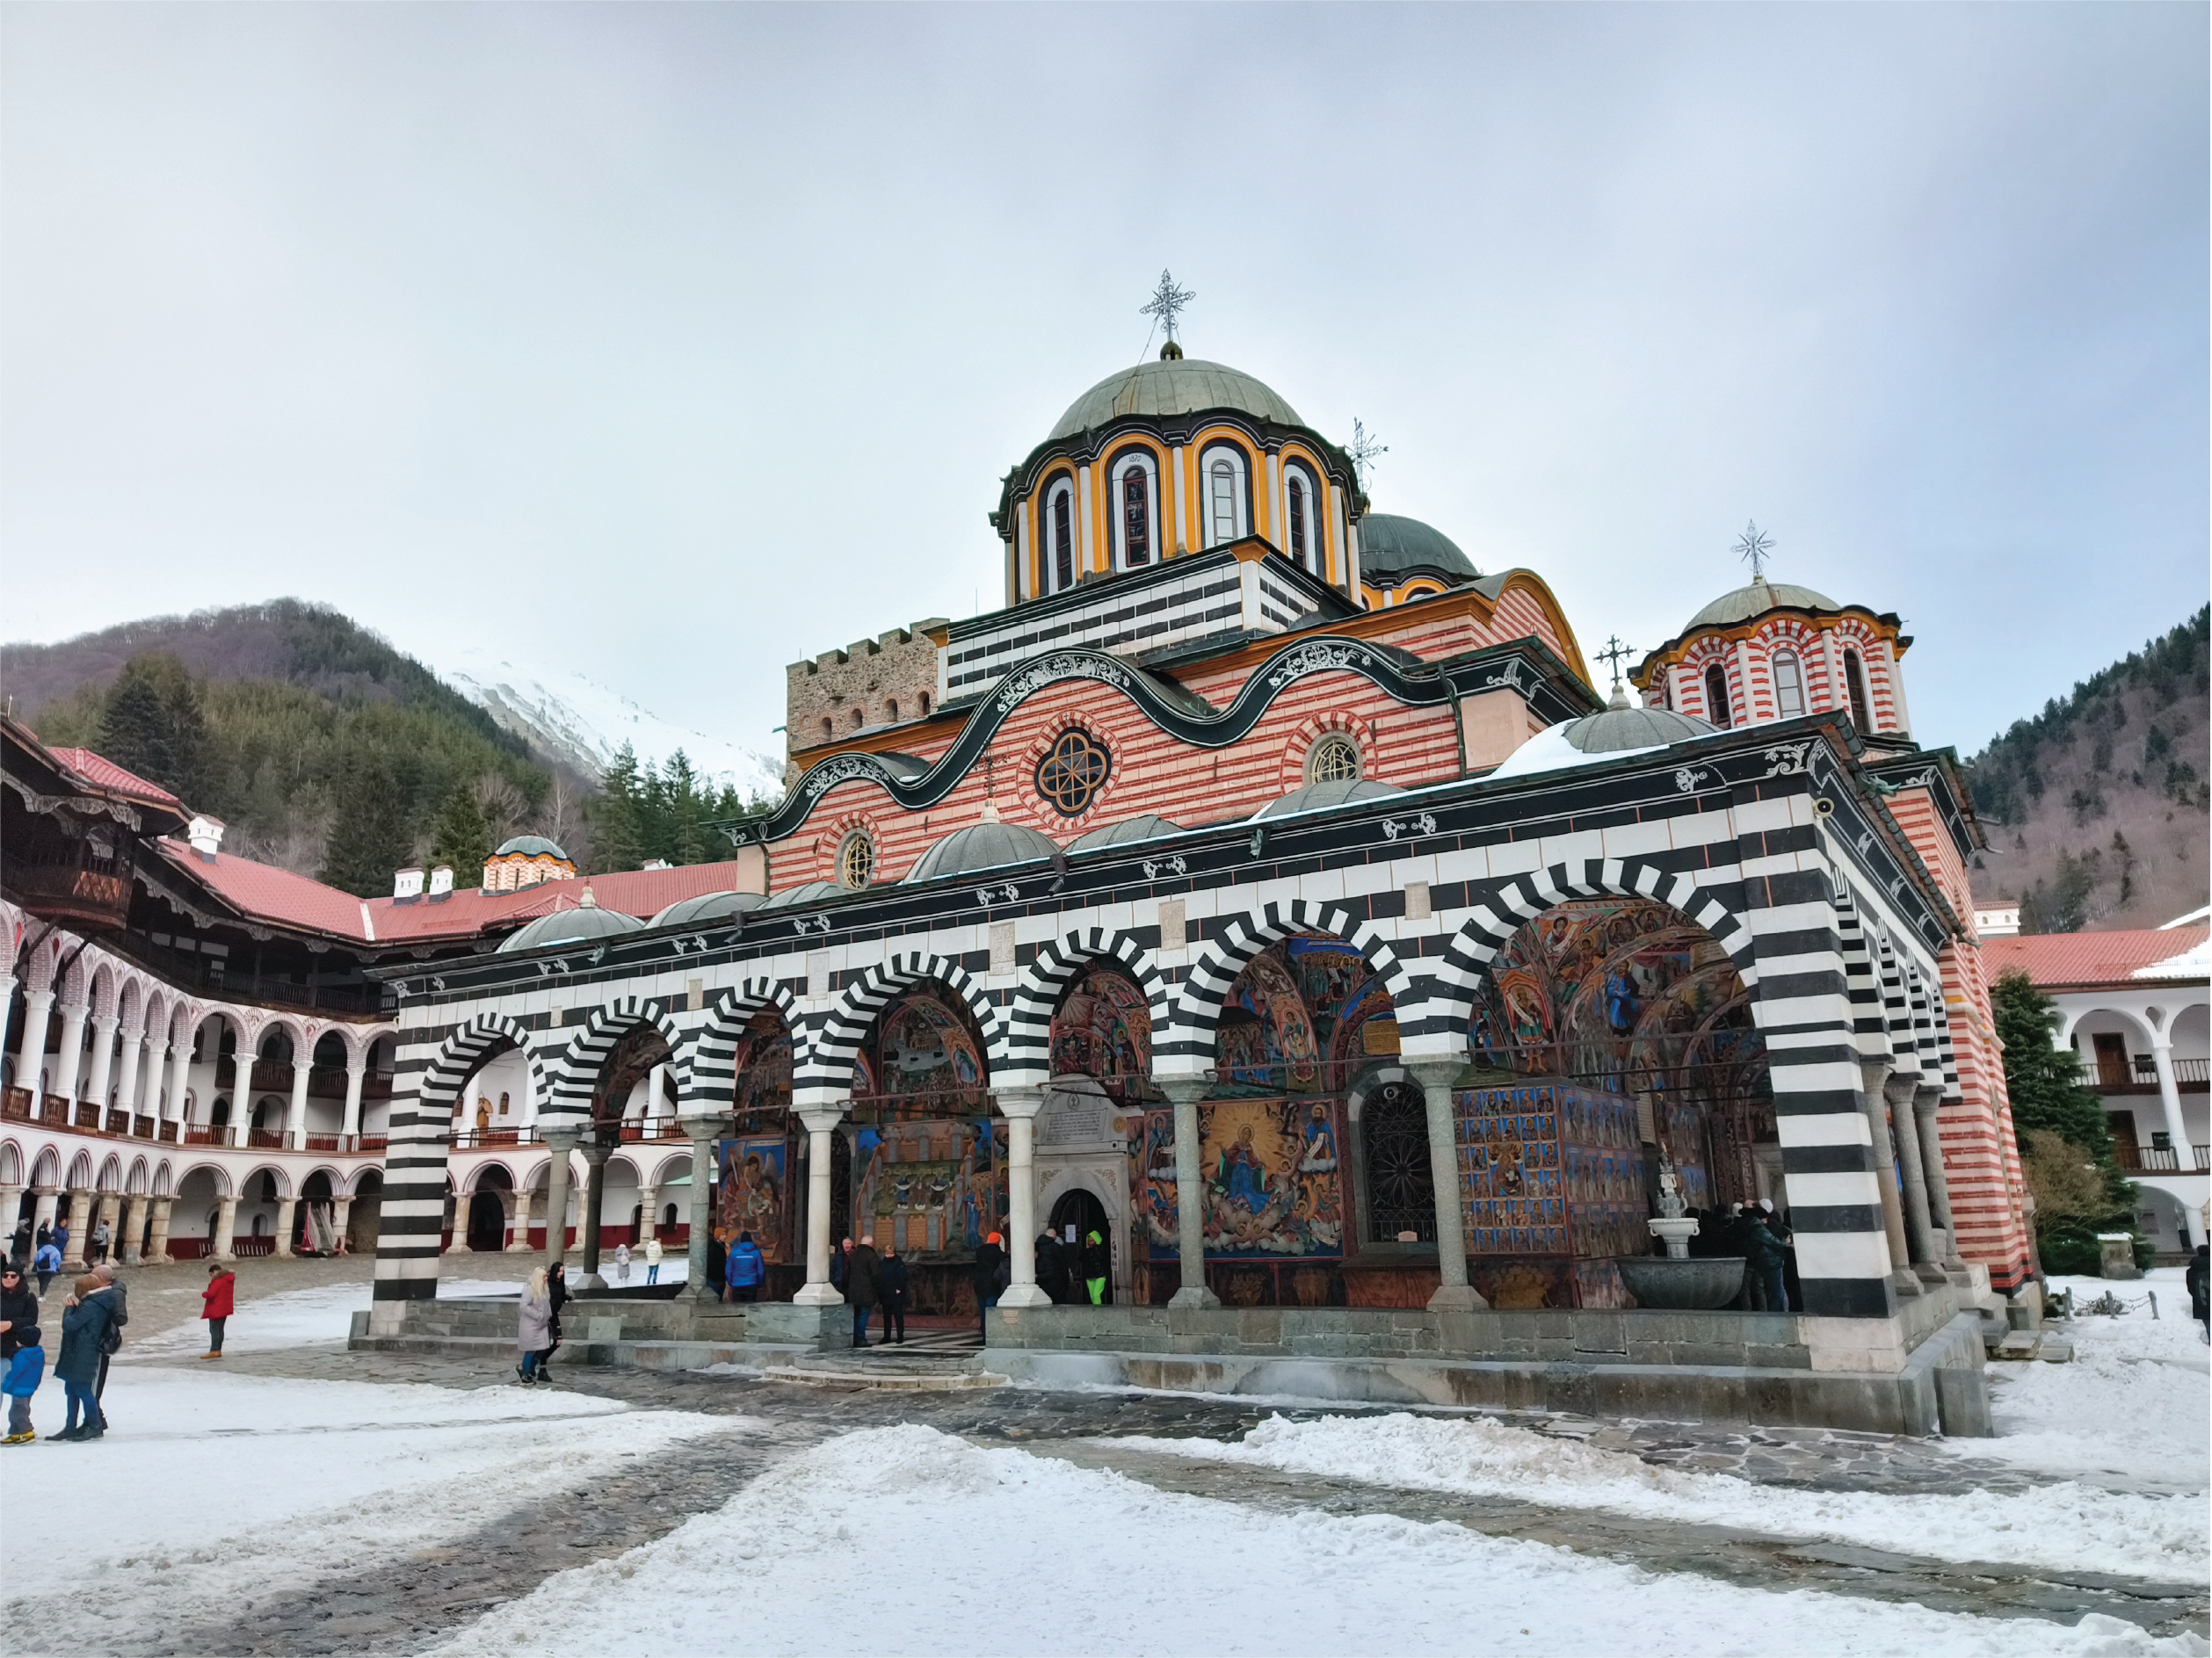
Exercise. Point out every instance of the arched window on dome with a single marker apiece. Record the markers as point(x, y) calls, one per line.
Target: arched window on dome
point(1302, 519)
point(1716, 695)
point(1855, 684)
point(1227, 517)
point(1134, 482)
point(1059, 519)
point(1789, 685)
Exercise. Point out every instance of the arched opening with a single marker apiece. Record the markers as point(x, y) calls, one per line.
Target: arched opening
point(1855, 686)
point(1397, 1187)
point(1717, 696)
point(313, 1231)
point(1087, 1267)
point(628, 1072)
point(757, 1193)
point(368, 1203)
point(1607, 1034)
point(487, 1232)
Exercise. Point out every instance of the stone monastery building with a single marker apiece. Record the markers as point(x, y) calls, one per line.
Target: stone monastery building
point(1262, 887)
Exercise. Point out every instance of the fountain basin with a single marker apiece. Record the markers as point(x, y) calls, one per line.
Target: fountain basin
point(1695, 1284)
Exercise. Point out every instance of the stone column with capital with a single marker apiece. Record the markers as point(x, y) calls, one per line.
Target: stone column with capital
point(45, 1204)
point(1453, 1293)
point(226, 1229)
point(30, 1058)
point(179, 1084)
point(240, 1096)
point(341, 1219)
point(1184, 1092)
point(705, 1129)
point(820, 1123)
point(356, 1070)
point(296, 1116)
point(649, 1220)
point(1020, 1107)
point(70, 1056)
point(157, 1240)
point(1873, 1104)
point(10, 1213)
point(1926, 1102)
point(286, 1207)
point(518, 1223)
point(102, 1065)
point(559, 1143)
point(595, 1156)
point(109, 1208)
point(132, 1083)
point(80, 1228)
point(127, 1243)
point(1925, 1247)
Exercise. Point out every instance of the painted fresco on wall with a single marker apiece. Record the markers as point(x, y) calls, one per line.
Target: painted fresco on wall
point(754, 1194)
point(1273, 1181)
point(1552, 1177)
point(1103, 1028)
point(1302, 1014)
point(924, 1051)
point(936, 1187)
point(762, 1063)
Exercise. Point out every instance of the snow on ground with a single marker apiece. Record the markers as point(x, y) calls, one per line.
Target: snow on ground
point(2065, 1526)
point(291, 1318)
point(210, 1488)
point(2136, 1402)
point(905, 1539)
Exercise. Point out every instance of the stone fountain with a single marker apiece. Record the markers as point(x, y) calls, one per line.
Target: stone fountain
point(1675, 1281)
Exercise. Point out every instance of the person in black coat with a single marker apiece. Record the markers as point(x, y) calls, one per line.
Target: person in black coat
point(892, 1284)
point(84, 1325)
point(2198, 1281)
point(556, 1293)
point(1052, 1267)
point(990, 1259)
point(717, 1265)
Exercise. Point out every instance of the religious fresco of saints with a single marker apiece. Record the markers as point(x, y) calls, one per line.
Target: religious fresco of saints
point(752, 1197)
point(924, 1054)
point(1103, 1030)
point(1258, 1200)
point(935, 1188)
point(763, 1064)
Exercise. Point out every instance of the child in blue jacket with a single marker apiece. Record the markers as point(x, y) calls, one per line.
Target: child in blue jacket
point(26, 1370)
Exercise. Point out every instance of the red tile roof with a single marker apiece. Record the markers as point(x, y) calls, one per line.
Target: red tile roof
point(2056, 960)
point(269, 893)
point(105, 774)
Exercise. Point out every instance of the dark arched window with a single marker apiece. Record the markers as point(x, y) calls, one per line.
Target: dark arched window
point(1298, 518)
point(1137, 517)
point(1716, 694)
point(1063, 540)
point(1855, 684)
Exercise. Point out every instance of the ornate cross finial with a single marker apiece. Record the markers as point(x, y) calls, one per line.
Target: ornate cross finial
point(1363, 451)
point(1756, 547)
point(1167, 303)
point(1616, 653)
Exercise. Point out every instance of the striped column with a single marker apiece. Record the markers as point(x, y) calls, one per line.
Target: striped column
point(413, 1213)
point(1870, 1037)
point(1803, 1008)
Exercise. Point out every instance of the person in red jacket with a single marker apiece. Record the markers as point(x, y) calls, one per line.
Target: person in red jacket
point(215, 1305)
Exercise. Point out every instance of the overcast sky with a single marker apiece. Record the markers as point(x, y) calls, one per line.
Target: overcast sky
point(677, 344)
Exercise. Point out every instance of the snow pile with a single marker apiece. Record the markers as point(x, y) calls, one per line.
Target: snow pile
point(581, 722)
point(2067, 1526)
point(210, 1489)
point(905, 1539)
point(2135, 1403)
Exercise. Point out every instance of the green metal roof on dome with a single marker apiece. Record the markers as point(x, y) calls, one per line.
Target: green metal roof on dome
point(812, 891)
point(1315, 795)
point(982, 846)
point(1391, 545)
point(1622, 727)
point(530, 846)
point(1148, 827)
point(1756, 600)
point(706, 909)
point(581, 925)
point(1174, 386)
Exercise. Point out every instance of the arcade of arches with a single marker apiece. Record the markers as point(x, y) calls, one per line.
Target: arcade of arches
point(1609, 1033)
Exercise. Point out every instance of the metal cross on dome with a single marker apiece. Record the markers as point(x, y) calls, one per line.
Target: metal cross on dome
point(1616, 653)
point(1167, 302)
point(1755, 547)
point(1364, 448)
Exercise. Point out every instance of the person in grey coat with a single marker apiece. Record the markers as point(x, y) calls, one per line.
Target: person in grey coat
point(533, 1327)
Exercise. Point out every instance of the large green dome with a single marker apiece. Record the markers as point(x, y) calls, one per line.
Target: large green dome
point(1756, 600)
point(580, 925)
point(1174, 386)
point(1393, 546)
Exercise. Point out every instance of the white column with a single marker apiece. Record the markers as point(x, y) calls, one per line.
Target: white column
point(820, 1124)
point(126, 1241)
point(286, 1208)
point(157, 1240)
point(704, 1130)
point(356, 1072)
point(226, 1227)
point(45, 1204)
point(559, 1143)
point(648, 1203)
point(296, 1121)
point(133, 1082)
point(102, 1065)
point(1453, 1293)
point(1019, 1108)
point(518, 1223)
point(71, 1056)
point(11, 1212)
point(341, 1219)
point(81, 1205)
point(1190, 1189)
point(179, 1081)
point(656, 1080)
point(30, 1056)
point(241, 1094)
point(2170, 1097)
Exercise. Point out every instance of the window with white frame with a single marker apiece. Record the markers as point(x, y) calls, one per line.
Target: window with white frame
point(1059, 521)
point(1226, 519)
point(1789, 685)
point(1136, 486)
point(1334, 758)
point(856, 861)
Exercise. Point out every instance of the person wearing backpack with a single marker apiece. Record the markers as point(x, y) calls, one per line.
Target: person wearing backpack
point(85, 1322)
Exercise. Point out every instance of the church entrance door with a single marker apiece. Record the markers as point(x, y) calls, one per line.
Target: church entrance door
point(486, 1223)
point(1075, 1217)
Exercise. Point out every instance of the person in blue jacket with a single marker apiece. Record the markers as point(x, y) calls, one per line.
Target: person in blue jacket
point(84, 1321)
point(748, 1268)
point(21, 1349)
point(47, 1263)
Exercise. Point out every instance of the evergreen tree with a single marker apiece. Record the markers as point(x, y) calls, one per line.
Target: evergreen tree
point(614, 816)
point(2065, 1142)
point(371, 833)
point(461, 836)
point(687, 811)
point(153, 726)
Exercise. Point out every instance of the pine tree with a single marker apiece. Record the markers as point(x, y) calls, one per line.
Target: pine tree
point(2064, 1141)
point(616, 831)
point(461, 836)
point(371, 833)
point(685, 812)
point(153, 726)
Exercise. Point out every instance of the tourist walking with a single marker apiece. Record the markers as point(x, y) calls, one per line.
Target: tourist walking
point(2199, 1280)
point(118, 1311)
point(84, 1321)
point(892, 1285)
point(652, 1260)
point(99, 1242)
point(984, 1276)
point(860, 1287)
point(1098, 1264)
point(533, 1329)
point(748, 1268)
point(47, 1263)
point(21, 1351)
point(556, 1298)
point(1052, 1266)
point(215, 1305)
point(621, 1263)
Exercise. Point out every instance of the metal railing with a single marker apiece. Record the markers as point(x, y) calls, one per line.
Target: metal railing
point(2160, 1160)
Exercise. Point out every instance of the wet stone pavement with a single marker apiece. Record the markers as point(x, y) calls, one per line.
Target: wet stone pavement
point(399, 1605)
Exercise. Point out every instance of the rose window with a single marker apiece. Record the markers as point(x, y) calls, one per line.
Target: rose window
point(1072, 772)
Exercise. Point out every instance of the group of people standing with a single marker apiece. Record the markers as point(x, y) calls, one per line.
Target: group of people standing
point(1760, 1234)
point(538, 1324)
point(871, 1280)
point(92, 1333)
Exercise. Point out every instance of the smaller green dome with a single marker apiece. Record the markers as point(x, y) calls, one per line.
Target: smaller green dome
point(530, 846)
point(812, 891)
point(1315, 795)
point(982, 846)
point(1756, 600)
point(583, 924)
point(1172, 385)
point(706, 909)
point(1149, 827)
point(1392, 545)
